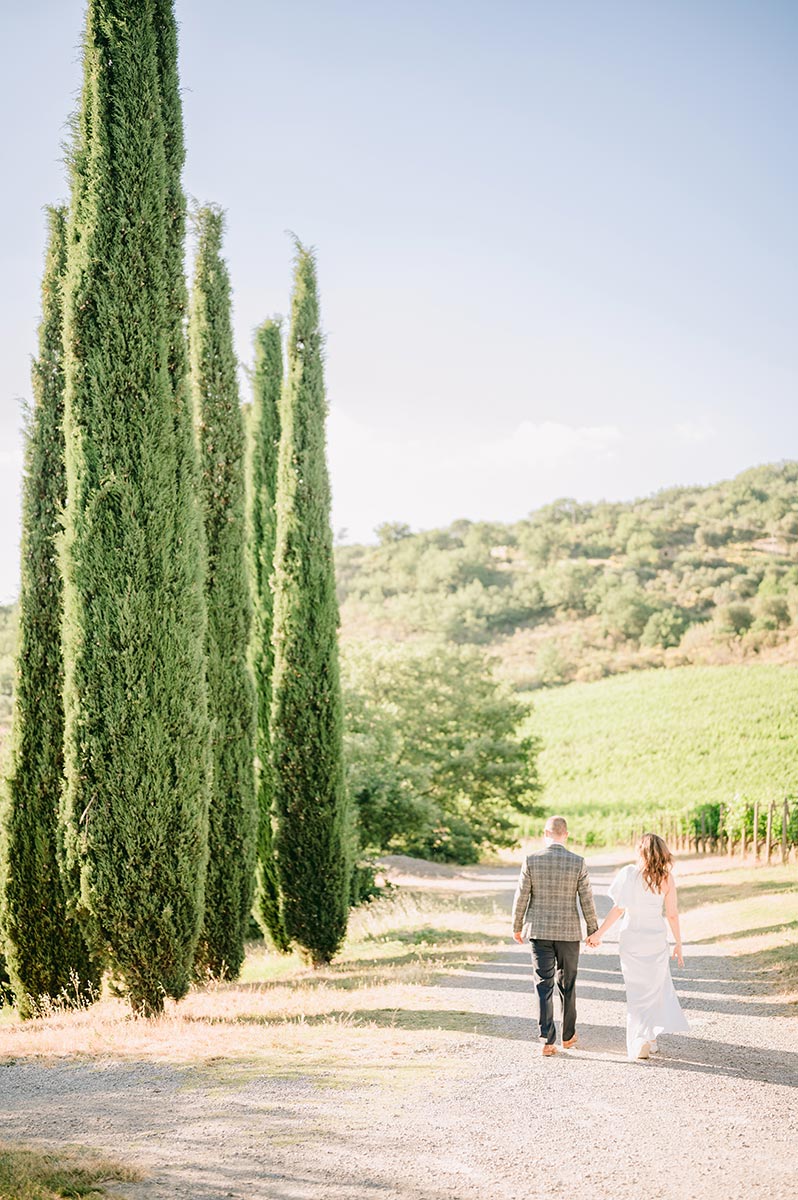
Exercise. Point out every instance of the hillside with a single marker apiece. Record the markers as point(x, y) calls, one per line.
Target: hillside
point(666, 742)
point(579, 591)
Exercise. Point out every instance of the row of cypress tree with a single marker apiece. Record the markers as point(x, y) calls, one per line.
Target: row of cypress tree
point(176, 743)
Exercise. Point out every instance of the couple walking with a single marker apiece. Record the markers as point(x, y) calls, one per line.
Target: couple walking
point(545, 911)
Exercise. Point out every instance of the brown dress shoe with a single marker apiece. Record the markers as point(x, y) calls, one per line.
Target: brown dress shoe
point(549, 1050)
point(571, 1042)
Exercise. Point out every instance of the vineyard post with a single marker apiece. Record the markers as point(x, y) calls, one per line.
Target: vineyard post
point(703, 833)
point(769, 835)
point(743, 835)
point(756, 831)
point(785, 820)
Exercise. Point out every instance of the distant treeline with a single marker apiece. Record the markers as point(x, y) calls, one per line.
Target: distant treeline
point(583, 590)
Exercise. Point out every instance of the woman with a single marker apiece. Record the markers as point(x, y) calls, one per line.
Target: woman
point(637, 893)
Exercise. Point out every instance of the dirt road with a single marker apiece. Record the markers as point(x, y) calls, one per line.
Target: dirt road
point(713, 1117)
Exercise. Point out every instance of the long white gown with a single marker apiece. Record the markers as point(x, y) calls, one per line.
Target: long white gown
point(652, 1004)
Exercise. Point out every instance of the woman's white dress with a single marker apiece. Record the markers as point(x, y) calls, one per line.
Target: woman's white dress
point(652, 1004)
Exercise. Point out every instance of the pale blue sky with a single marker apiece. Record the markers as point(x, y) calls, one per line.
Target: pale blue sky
point(557, 241)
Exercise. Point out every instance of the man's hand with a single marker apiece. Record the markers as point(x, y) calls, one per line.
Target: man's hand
point(593, 941)
point(519, 937)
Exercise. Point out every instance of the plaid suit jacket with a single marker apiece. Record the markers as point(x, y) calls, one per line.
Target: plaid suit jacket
point(545, 899)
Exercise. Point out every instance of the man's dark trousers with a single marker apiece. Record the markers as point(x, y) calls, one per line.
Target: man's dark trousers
point(556, 962)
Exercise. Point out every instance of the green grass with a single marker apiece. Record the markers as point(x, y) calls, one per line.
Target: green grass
point(634, 746)
point(27, 1174)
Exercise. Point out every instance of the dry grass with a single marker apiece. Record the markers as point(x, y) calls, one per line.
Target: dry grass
point(283, 1016)
point(749, 912)
point(378, 1005)
point(27, 1174)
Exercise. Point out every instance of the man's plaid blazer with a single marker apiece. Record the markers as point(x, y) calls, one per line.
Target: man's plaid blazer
point(545, 899)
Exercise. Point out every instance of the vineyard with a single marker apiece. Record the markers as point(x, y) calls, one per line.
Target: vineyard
point(669, 746)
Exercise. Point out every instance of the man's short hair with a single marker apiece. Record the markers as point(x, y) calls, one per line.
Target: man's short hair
point(556, 827)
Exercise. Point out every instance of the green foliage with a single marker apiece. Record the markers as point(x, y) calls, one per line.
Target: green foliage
point(391, 531)
point(263, 443)
point(232, 825)
point(136, 740)
point(684, 553)
point(772, 612)
point(313, 830)
point(625, 612)
point(665, 628)
point(45, 950)
point(666, 742)
point(551, 665)
point(734, 618)
point(434, 759)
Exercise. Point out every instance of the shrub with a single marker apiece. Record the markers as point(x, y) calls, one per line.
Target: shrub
point(625, 612)
point(664, 628)
point(551, 664)
point(734, 619)
point(772, 612)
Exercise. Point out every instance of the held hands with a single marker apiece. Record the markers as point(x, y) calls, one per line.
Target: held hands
point(593, 941)
point(677, 954)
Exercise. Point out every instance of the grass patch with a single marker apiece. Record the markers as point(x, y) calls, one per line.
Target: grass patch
point(27, 1174)
point(281, 1015)
point(752, 913)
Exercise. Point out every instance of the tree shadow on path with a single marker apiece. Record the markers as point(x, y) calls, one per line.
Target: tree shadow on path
point(702, 984)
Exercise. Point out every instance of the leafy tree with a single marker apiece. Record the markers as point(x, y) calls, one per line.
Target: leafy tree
point(625, 612)
point(264, 440)
point(772, 612)
point(136, 730)
point(551, 665)
point(392, 531)
point(45, 949)
point(734, 619)
point(450, 771)
point(664, 628)
point(313, 836)
point(232, 826)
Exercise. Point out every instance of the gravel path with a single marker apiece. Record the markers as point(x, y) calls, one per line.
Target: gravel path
point(713, 1117)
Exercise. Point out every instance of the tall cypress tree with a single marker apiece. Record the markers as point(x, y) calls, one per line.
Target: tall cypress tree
point(263, 443)
point(311, 836)
point(136, 737)
point(45, 950)
point(233, 823)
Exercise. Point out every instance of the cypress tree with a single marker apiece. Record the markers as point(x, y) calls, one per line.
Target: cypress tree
point(233, 822)
point(263, 443)
point(310, 799)
point(45, 950)
point(136, 737)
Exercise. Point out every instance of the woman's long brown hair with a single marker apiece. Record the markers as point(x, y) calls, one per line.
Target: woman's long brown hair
point(656, 861)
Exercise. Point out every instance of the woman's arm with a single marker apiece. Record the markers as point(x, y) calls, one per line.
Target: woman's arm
point(612, 916)
point(672, 913)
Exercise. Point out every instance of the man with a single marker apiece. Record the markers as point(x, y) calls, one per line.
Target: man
point(545, 911)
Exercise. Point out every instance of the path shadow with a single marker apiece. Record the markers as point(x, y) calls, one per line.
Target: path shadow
point(701, 984)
